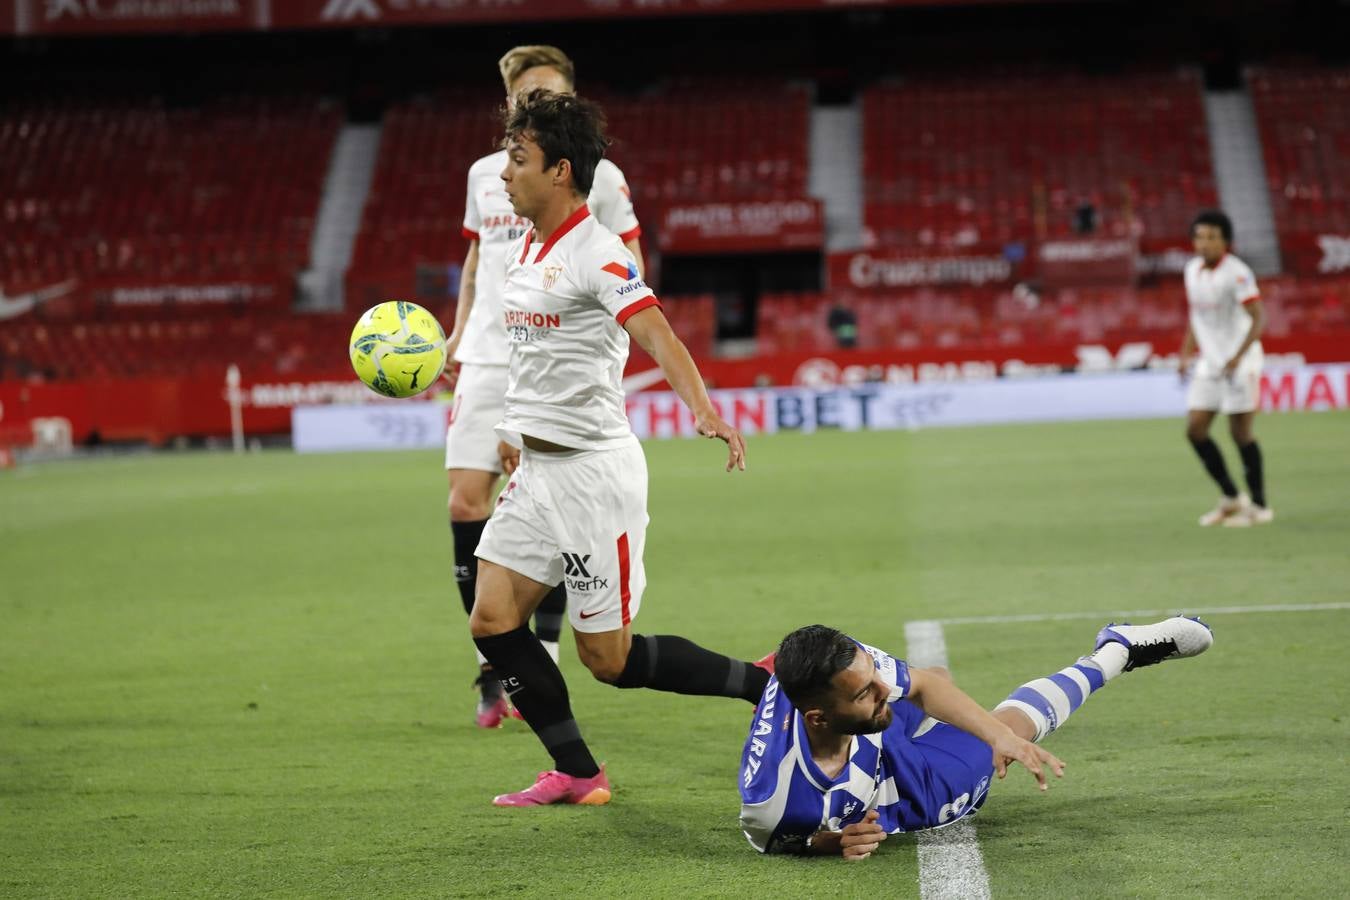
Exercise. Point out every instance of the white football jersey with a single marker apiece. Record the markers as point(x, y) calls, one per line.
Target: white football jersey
point(1215, 297)
point(564, 303)
point(489, 220)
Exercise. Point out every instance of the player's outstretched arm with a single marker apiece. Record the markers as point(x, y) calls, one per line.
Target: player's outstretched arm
point(946, 702)
point(653, 333)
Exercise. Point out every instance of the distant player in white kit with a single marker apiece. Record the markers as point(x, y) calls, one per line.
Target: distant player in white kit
point(1226, 318)
point(575, 509)
point(478, 344)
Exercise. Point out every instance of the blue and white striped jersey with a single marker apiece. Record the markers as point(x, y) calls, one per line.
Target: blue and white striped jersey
point(785, 798)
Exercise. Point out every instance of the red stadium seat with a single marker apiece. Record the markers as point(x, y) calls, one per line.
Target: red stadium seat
point(983, 162)
point(138, 189)
point(1304, 118)
point(686, 143)
point(985, 318)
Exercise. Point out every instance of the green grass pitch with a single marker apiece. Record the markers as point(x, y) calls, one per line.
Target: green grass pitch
point(250, 677)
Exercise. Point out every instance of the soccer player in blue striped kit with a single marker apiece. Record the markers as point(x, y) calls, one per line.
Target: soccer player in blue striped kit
point(849, 744)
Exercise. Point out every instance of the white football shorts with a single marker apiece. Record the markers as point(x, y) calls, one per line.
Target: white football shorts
point(1211, 391)
point(579, 518)
point(480, 398)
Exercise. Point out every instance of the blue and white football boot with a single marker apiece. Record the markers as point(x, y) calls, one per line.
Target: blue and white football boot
point(1174, 638)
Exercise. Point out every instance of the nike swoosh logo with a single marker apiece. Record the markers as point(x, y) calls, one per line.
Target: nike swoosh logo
point(17, 306)
point(640, 381)
point(586, 615)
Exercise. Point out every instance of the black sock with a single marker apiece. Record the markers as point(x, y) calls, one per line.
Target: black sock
point(536, 687)
point(548, 618)
point(486, 682)
point(1209, 454)
point(1251, 466)
point(664, 662)
point(466, 535)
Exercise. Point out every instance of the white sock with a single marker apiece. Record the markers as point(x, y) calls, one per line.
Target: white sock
point(1111, 659)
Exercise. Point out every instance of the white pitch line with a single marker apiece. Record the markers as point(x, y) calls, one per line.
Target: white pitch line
point(1192, 610)
point(951, 866)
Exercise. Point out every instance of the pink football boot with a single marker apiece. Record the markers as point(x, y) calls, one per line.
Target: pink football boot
point(555, 787)
point(490, 713)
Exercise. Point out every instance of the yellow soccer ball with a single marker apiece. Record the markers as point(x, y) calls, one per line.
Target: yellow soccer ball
point(398, 349)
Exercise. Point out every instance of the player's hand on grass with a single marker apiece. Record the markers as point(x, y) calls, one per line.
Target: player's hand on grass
point(510, 457)
point(711, 425)
point(1011, 748)
point(857, 841)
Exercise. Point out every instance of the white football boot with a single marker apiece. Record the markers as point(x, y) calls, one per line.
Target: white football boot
point(1174, 638)
point(1251, 515)
point(1223, 509)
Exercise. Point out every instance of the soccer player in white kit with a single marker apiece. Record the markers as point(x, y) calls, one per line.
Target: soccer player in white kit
point(575, 508)
point(1226, 318)
point(478, 344)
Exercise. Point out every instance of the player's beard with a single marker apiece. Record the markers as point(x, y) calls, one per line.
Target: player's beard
point(874, 725)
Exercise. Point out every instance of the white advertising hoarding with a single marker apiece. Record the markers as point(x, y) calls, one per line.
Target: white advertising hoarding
point(660, 414)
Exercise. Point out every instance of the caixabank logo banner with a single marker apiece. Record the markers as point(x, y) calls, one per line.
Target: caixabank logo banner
point(377, 10)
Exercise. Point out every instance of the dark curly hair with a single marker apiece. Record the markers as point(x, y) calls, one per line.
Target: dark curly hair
point(565, 127)
point(1219, 220)
point(809, 658)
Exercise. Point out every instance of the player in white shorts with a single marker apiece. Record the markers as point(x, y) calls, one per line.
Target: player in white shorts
point(1226, 318)
point(478, 344)
point(575, 509)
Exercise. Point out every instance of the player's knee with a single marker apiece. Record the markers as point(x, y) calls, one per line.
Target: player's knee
point(603, 667)
point(481, 624)
point(1196, 432)
point(488, 619)
point(468, 509)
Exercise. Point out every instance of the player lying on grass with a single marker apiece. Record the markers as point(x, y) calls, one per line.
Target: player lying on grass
point(849, 744)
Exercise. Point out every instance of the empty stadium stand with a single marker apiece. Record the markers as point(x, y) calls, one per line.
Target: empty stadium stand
point(684, 143)
point(1304, 116)
point(700, 141)
point(190, 342)
point(993, 317)
point(138, 190)
point(988, 161)
point(416, 203)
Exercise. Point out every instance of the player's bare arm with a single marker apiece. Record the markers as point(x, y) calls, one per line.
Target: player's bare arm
point(1187, 351)
point(653, 333)
point(1257, 310)
point(940, 698)
point(468, 283)
point(635, 247)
